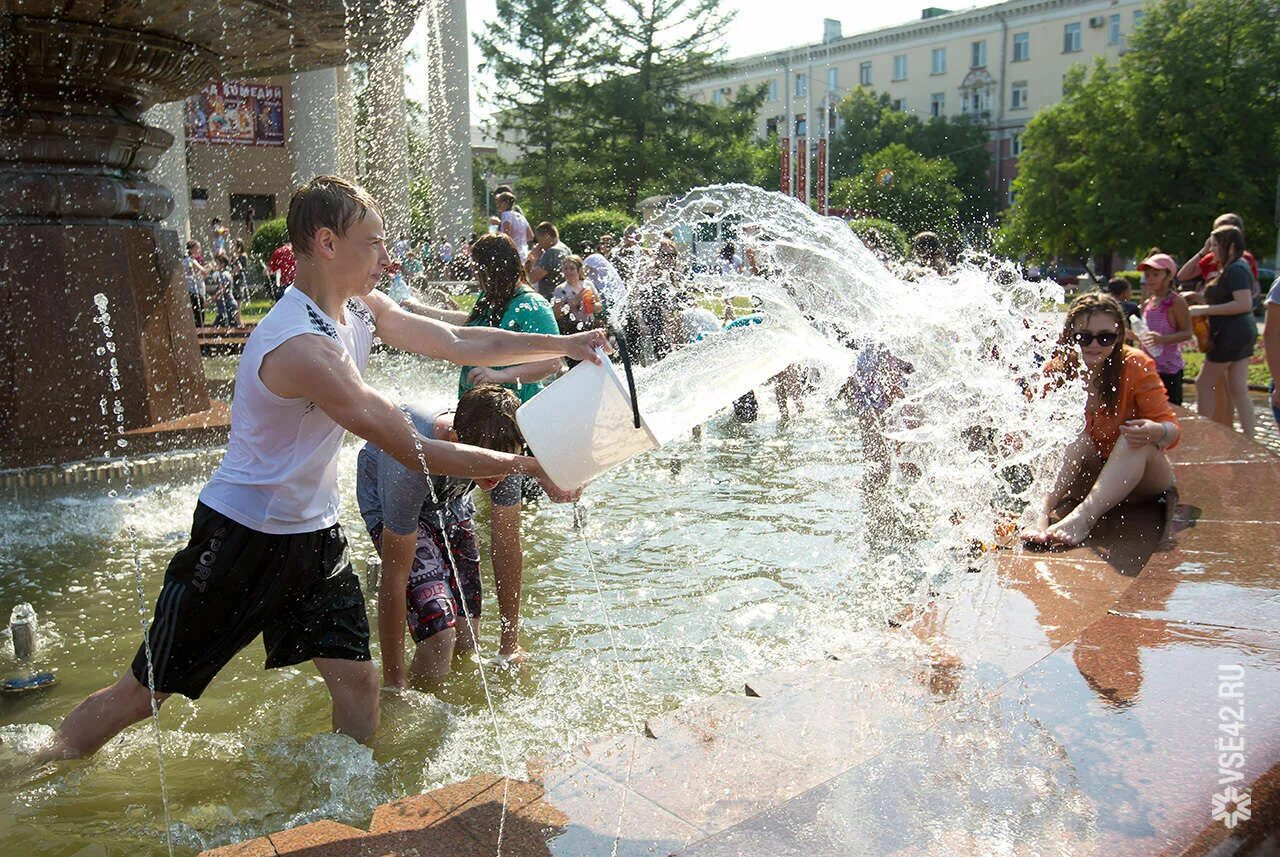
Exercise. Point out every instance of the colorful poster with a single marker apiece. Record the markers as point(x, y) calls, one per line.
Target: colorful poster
point(802, 169)
point(237, 113)
point(784, 155)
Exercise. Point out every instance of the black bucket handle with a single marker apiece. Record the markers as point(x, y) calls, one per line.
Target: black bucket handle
point(626, 367)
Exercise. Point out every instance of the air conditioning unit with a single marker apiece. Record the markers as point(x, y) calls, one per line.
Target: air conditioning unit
point(1097, 21)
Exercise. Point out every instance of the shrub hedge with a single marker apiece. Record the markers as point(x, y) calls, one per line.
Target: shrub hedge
point(884, 235)
point(586, 227)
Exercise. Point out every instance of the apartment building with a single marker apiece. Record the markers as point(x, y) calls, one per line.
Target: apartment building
point(1000, 63)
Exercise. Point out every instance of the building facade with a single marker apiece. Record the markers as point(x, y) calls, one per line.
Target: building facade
point(1000, 64)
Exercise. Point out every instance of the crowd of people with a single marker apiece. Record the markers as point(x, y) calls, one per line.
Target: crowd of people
point(218, 281)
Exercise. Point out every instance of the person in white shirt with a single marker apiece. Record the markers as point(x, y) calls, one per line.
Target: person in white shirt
point(513, 224)
point(267, 555)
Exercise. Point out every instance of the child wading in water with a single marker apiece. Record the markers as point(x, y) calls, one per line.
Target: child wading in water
point(424, 533)
point(1128, 426)
point(267, 555)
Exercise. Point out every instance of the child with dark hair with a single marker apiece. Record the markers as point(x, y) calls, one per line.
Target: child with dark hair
point(422, 528)
point(1119, 288)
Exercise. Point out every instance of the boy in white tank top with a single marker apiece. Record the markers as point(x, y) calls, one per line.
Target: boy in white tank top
point(266, 554)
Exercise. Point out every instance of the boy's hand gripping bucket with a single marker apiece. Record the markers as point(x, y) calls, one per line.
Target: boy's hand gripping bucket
point(583, 424)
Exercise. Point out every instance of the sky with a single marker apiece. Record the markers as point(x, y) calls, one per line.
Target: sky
point(759, 25)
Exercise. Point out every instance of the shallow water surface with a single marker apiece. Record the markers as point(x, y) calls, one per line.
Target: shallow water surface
point(713, 559)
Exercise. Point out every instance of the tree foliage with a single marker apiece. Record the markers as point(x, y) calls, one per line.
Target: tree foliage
point(1148, 151)
point(869, 124)
point(616, 124)
point(902, 186)
point(538, 51)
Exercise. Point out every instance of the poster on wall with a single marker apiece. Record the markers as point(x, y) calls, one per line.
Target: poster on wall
point(238, 113)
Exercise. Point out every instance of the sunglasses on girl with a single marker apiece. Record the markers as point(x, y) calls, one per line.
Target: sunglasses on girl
point(1085, 338)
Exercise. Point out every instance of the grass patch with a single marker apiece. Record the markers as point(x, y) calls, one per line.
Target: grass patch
point(1259, 375)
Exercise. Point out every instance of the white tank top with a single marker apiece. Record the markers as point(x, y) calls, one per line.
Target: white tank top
point(280, 472)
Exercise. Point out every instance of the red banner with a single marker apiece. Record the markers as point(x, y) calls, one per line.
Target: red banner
point(235, 112)
point(802, 168)
point(784, 163)
point(820, 176)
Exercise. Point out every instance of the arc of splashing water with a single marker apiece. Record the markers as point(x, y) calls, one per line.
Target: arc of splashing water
point(103, 318)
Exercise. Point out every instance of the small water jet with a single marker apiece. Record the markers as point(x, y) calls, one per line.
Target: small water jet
point(24, 630)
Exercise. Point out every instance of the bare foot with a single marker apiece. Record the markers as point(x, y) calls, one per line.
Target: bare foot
point(1068, 533)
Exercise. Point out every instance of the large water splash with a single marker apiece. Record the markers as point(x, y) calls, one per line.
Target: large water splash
point(972, 427)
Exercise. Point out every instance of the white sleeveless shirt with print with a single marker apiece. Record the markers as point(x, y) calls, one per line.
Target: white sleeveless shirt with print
point(280, 472)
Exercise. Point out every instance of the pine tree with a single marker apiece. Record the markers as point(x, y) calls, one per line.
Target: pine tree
point(538, 51)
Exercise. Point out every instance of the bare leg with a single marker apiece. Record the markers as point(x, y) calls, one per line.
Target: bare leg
point(1140, 472)
point(1237, 384)
point(101, 717)
point(353, 686)
point(1080, 458)
point(1211, 379)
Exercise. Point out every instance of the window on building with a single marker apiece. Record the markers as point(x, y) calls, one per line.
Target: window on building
point(772, 94)
point(1137, 18)
point(833, 79)
point(900, 67)
point(1071, 38)
point(978, 54)
point(802, 127)
point(977, 101)
point(771, 126)
point(255, 206)
point(899, 104)
point(1015, 145)
point(1019, 93)
point(938, 104)
point(939, 60)
point(1021, 47)
point(717, 97)
point(1113, 30)
point(802, 85)
point(864, 74)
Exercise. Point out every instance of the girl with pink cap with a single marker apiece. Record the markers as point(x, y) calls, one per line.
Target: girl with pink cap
point(1168, 321)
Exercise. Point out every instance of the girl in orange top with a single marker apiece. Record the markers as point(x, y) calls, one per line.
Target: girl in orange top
point(1128, 426)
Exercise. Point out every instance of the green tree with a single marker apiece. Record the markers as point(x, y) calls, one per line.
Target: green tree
point(538, 51)
point(902, 186)
point(869, 123)
point(1148, 151)
point(643, 129)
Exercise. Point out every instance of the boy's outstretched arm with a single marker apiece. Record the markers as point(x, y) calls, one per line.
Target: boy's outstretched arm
point(317, 368)
point(476, 346)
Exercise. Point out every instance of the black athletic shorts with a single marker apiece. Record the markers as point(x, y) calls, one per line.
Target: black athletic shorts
point(231, 583)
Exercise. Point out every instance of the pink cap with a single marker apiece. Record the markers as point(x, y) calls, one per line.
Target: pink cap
point(1160, 260)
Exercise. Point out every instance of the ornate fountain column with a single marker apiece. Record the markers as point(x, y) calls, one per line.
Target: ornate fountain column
point(78, 218)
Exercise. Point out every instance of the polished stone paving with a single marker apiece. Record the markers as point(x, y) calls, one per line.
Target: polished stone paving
point(1062, 704)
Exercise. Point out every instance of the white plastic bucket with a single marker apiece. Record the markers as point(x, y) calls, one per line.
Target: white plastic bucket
point(582, 424)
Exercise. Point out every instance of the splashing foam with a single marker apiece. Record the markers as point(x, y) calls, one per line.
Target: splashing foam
point(975, 339)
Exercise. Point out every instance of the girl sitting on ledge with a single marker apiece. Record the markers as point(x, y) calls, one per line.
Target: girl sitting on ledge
point(1128, 425)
